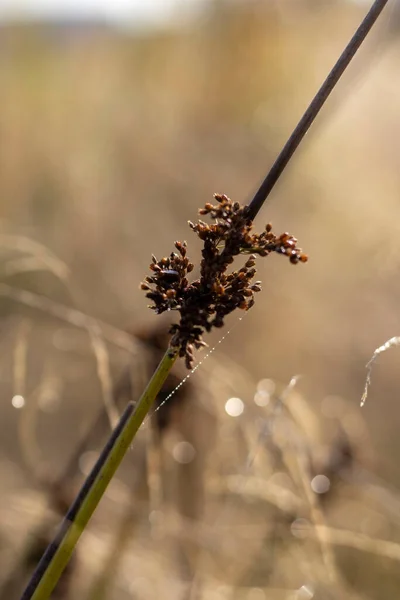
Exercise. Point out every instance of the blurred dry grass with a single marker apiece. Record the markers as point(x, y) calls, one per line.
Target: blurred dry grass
point(108, 145)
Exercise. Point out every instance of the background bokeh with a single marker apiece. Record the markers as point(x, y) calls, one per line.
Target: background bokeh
point(111, 138)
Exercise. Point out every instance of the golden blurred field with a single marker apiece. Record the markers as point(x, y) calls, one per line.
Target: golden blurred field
point(109, 143)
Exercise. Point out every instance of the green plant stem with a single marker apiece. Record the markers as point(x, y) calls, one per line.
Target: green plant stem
point(58, 553)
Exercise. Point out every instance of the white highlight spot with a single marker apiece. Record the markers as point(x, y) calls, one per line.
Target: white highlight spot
point(18, 401)
point(306, 592)
point(183, 453)
point(262, 398)
point(234, 407)
point(49, 401)
point(266, 386)
point(320, 484)
point(300, 528)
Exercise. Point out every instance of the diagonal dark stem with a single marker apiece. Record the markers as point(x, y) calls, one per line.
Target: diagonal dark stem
point(59, 551)
point(314, 108)
point(69, 518)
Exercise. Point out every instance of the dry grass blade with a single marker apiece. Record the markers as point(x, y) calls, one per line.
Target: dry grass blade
point(359, 541)
point(28, 443)
point(27, 419)
point(74, 317)
point(257, 488)
point(103, 372)
point(20, 357)
point(98, 332)
point(318, 519)
point(40, 257)
point(394, 341)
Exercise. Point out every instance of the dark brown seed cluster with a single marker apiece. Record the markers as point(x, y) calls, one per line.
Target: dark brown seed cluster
point(204, 302)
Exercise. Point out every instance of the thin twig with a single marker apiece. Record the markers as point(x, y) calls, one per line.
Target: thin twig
point(315, 106)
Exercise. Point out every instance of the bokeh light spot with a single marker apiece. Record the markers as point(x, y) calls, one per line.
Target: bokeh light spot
point(320, 484)
point(262, 398)
point(18, 401)
point(305, 593)
point(266, 385)
point(183, 452)
point(300, 528)
point(234, 407)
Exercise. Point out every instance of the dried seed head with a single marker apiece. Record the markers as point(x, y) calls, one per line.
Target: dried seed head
point(251, 261)
point(204, 303)
point(181, 248)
